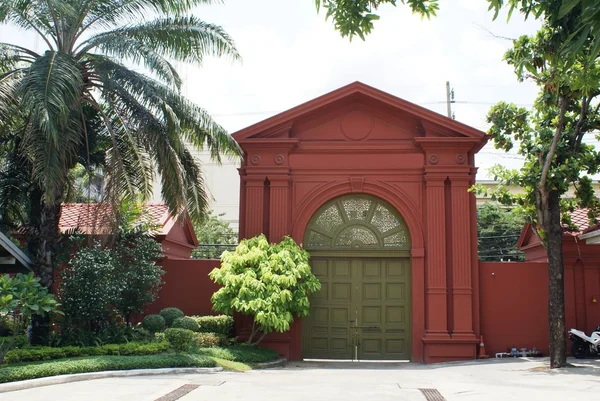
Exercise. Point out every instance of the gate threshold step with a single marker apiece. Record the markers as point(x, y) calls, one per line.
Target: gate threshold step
point(355, 360)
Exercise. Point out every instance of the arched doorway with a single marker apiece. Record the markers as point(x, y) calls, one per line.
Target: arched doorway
point(360, 251)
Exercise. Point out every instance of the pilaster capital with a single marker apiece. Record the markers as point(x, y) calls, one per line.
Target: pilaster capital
point(254, 180)
point(281, 180)
point(435, 180)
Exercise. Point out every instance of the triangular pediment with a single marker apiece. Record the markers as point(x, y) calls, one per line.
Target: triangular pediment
point(354, 112)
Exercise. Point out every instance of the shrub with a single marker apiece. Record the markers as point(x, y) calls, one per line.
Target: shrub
point(101, 363)
point(138, 272)
point(268, 282)
point(154, 323)
point(204, 340)
point(180, 339)
point(19, 342)
point(185, 323)
point(221, 324)
point(23, 297)
point(89, 287)
point(48, 353)
point(170, 314)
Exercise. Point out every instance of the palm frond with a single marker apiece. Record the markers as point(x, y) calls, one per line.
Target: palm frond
point(49, 92)
point(124, 48)
point(32, 15)
point(9, 100)
point(16, 184)
point(195, 124)
point(185, 38)
point(127, 167)
point(108, 13)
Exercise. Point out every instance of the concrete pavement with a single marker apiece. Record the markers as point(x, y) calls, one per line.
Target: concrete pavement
point(502, 380)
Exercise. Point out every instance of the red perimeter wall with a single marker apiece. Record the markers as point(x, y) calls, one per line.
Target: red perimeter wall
point(514, 303)
point(186, 286)
point(513, 300)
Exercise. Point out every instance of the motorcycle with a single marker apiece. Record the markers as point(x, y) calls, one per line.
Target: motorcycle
point(583, 345)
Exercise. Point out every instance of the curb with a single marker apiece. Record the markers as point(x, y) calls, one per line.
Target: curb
point(77, 377)
point(274, 364)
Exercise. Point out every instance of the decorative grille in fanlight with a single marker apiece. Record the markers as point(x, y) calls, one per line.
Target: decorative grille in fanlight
point(357, 221)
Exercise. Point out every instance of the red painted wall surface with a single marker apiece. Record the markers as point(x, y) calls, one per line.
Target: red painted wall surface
point(187, 286)
point(514, 303)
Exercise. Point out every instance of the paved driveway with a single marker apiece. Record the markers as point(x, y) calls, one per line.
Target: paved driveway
point(492, 380)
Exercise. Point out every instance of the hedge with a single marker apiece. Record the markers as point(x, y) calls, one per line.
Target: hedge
point(221, 324)
point(49, 353)
point(101, 363)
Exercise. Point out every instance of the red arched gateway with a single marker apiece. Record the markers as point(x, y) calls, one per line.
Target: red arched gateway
point(357, 169)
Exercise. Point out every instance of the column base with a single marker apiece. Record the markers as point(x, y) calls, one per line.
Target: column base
point(450, 349)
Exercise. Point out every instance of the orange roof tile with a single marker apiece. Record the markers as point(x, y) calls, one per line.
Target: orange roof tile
point(580, 218)
point(96, 218)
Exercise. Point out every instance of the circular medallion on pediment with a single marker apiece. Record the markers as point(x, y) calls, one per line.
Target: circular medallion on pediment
point(255, 159)
point(461, 158)
point(356, 125)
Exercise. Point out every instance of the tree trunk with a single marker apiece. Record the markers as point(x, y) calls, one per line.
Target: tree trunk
point(556, 283)
point(48, 241)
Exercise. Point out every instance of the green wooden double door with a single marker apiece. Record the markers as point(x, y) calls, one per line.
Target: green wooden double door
point(362, 311)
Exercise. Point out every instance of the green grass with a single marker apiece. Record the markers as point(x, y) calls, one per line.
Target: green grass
point(238, 358)
point(233, 366)
point(240, 353)
point(25, 371)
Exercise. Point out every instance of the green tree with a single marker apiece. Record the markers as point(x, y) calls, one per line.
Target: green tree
point(550, 137)
point(356, 17)
point(139, 274)
point(22, 297)
point(115, 277)
point(82, 81)
point(214, 237)
point(269, 282)
point(498, 230)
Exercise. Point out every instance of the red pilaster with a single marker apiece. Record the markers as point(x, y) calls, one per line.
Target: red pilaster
point(255, 192)
point(279, 222)
point(436, 303)
point(418, 305)
point(462, 289)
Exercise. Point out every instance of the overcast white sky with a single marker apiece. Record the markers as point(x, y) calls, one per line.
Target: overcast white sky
point(291, 55)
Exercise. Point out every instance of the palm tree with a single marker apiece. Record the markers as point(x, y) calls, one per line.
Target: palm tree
point(84, 82)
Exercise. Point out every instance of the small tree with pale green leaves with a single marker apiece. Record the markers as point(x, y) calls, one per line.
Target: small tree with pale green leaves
point(268, 282)
point(22, 297)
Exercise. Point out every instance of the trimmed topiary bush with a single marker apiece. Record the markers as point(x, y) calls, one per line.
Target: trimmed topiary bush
point(221, 324)
point(154, 323)
point(205, 340)
point(170, 314)
point(185, 323)
point(180, 339)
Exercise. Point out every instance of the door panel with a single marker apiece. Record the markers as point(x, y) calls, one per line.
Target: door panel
point(363, 302)
point(326, 332)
